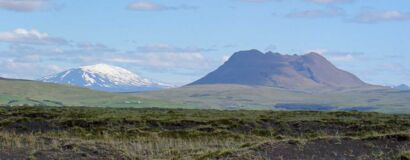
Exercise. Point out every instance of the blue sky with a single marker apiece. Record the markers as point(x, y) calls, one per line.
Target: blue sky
point(180, 41)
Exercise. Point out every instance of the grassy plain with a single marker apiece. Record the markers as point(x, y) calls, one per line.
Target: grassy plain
point(23, 92)
point(131, 133)
point(258, 97)
point(233, 97)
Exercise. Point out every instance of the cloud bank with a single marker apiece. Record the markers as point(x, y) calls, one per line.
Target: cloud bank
point(318, 13)
point(23, 5)
point(152, 6)
point(381, 16)
point(30, 36)
point(330, 1)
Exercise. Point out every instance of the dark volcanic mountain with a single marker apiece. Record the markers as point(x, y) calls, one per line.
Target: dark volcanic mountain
point(286, 71)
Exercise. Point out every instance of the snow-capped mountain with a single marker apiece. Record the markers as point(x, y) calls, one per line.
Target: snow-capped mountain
point(105, 77)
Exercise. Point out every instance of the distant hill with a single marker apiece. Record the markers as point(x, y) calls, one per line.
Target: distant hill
point(103, 77)
point(233, 96)
point(402, 87)
point(253, 67)
point(255, 80)
point(25, 92)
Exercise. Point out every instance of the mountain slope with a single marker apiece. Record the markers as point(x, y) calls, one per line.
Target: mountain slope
point(20, 92)
point(286, 71)
point(104, 77)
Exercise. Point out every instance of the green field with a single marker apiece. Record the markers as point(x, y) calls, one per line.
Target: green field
point(22, 92)
point(258, 97)
point(152, 133)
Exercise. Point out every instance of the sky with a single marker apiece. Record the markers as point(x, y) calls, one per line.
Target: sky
point(179, 41)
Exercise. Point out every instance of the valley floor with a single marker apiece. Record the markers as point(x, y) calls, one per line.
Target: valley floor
point(123, 133)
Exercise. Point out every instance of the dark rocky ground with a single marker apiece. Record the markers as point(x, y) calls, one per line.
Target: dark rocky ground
point(384, 147)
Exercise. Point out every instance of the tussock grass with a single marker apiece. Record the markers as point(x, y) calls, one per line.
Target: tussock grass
point(136, 148)
point(405, 155)
point(124, 133)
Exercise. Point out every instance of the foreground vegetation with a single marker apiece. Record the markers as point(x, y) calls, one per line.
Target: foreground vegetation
point(124, 133)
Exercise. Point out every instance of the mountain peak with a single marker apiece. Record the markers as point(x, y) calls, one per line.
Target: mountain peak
point(101, 67)
point(253, 67)
point(118, 73)
point(314, 56)
point(98, 65)
point(252, 52)
point(104, 77)
point(104, 68)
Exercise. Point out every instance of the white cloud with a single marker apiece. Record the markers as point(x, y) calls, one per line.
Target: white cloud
point(19, 60)
point(34, 61)
point(331, 12)
point(336, 56)
point(381, 16)
point(259, 1)
point(32, 36)
point(271, 47)
point(174, 60)
point(329, 1)
point(23, 5)
point(95, 47)
point(165, 61)
point(14, 68)
point(340, 58)
point(146, 6)
point(169, 61)
point(311, 1)
point(152, 6)
point(320, 51)
point(165, 56)
point(161, 48)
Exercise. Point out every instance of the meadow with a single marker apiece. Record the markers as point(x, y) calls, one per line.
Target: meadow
point(228, 96)
point(25, 92)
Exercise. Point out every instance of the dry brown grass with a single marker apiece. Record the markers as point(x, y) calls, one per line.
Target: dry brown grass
point(95, 133)
point(152, 147)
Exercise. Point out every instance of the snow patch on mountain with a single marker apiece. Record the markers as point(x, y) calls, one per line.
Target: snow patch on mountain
point(105, 77)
